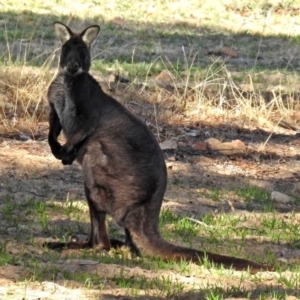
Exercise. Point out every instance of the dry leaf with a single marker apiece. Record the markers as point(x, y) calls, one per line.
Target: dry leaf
point(165, 76)
point(200, 145)
point(119, 21)
point(227, 51)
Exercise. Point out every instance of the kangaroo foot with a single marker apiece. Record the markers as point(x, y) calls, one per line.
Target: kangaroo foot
point(133, 248)
point(75, 243)
point(59, 246)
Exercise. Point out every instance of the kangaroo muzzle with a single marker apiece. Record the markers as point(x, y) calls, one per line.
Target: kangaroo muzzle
point(72, 67)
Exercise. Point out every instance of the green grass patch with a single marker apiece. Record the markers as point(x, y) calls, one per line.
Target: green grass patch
point(255, 195)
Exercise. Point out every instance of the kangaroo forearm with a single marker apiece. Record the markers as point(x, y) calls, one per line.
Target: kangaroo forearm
point(80, 135)
point(53, 135)
point(71, 148)
point(55, 146)
point(75, 141)
point(54, 131)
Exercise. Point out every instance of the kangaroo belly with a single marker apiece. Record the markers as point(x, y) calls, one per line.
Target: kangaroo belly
point(107, 166)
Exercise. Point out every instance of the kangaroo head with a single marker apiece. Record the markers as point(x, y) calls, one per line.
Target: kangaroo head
point(75, 57)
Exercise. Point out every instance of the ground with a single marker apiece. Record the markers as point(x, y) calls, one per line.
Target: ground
point(193, 71)
point(31, 176)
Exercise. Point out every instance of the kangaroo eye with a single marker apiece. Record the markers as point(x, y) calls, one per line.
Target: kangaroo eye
point(83, 51)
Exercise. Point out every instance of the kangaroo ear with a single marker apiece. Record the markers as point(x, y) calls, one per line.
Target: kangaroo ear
point(89, 34)
point(62, 31)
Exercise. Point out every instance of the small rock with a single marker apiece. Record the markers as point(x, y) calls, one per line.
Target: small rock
point(181, 144)
point(60, 276)
point(227, 148)
point(24, 137)
point(193, 133)
point(79, 237)
point(200, 145)
point(292, 254)
point(171, 158)
point(74, 193)
point(213, 144)
point(281, 198)
point(11, 230)
point(88, 262)
point(207, 133)
point(282, 259)
point(165, 76)
point(168, 145)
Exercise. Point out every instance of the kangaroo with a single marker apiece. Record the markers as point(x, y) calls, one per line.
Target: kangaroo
point(124, 171)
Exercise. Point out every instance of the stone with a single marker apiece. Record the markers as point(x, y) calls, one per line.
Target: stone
point(200, 145)
point(169, 145)
point(281, 198)
point(226, 148)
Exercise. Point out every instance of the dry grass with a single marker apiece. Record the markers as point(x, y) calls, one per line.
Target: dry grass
point(217, 100)
point(215, 93)
point(25, 88)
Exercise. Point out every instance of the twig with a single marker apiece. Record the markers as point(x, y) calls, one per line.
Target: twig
point(201, 223)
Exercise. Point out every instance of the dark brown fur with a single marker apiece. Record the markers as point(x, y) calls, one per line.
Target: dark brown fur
point(123, 166)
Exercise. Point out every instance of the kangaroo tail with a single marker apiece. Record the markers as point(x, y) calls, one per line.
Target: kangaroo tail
point(160, 247)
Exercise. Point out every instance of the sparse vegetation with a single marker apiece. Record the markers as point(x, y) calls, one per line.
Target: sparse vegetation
point(140, 41)
point(251, 88)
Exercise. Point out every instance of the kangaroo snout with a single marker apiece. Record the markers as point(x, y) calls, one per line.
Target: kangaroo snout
point(72, 67)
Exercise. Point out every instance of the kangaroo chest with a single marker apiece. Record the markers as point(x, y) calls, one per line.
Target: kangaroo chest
point(60, 96)
point(68, 114)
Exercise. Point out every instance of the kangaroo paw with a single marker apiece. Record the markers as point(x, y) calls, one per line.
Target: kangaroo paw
point(117, 244)
point(67, 157)
point(75, 243)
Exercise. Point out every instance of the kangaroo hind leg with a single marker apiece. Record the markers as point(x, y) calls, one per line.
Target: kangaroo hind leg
point(98, 233)
point(130, 244)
